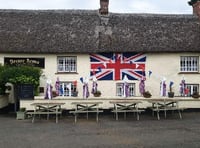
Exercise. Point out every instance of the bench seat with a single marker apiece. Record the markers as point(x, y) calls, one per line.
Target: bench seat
point(154, 109)
point(32, 113)
point(43, 113)
point(85, 111)
point(76, 112)
point(166, 109)
point(127, 111)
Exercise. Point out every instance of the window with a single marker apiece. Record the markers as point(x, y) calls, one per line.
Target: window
point(67, 89)
point(191, 89)
point(189, 64)
point(120, 90)
point(66, 64)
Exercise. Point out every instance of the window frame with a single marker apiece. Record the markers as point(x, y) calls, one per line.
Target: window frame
point(189, 64)
point(65, 90)
point(62, 66)
point(119, 89)
point(191, 88)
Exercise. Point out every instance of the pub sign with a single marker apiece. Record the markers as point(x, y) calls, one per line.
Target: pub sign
point(36, 62)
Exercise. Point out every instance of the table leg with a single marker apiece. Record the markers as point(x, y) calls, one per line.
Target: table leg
point(124, 115)
point(87, 115)
point(177, 105)
point(138, 117)
point(97, 117)
point(75, 117)
point(56, 115)
point(33, 119)
point(47, 116)
point(116, 112)
point(158, 116)
point(165, 113)
point(157, 108)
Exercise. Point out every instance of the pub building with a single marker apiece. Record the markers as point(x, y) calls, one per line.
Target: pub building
point(78, 46)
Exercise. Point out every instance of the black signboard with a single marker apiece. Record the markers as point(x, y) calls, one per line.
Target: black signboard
point(36, 62)
point(25, 91)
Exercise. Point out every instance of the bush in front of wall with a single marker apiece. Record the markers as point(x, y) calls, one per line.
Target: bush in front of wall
point(20, 75)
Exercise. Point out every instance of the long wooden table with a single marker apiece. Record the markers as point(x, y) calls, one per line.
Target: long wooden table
point(87, 107)
point(47, 108)
point(124, 106)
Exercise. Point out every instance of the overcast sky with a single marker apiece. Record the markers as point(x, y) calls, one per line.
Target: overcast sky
point(121, 6)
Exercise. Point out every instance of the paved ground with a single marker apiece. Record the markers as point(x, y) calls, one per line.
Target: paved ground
point(108, 133)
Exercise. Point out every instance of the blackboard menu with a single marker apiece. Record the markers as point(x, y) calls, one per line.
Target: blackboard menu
point(26, 91)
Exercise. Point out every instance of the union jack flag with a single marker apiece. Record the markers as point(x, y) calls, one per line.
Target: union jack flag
point(114, 66)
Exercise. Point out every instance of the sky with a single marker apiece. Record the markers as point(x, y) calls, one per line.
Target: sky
point(116, 6)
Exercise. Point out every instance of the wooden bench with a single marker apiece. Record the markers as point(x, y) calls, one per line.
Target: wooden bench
point(76, 112)
point(138, 111)
point(154, 109)
point(46, 108)
point(32, 114)
point(125, 106)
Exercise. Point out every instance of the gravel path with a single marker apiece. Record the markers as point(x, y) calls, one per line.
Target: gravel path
point(108, 133)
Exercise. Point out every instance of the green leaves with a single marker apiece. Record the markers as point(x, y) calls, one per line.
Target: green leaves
point(19, 75)
point(24, 80)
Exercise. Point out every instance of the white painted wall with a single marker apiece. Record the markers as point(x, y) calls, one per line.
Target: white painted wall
point(161, 64)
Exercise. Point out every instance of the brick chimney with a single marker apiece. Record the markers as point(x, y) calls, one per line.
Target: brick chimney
point(196, 9)
point(103, 7)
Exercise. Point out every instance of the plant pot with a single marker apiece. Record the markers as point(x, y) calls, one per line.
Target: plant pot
point(170, 94)
point(97, 95)
point(21, 115)
point(196, 96)
point(75, 94)
point(147, 94)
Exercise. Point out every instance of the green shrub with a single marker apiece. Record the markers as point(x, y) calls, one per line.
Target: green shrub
point(19, 75)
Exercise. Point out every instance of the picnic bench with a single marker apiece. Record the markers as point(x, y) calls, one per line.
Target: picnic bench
point(86, 107)
point(125, 106)
point(165, 105)
point(46, 108)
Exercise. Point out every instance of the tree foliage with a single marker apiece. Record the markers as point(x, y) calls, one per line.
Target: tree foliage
point(19, 75)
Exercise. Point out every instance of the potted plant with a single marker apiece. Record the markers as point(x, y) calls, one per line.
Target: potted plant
point(170, 93)
point(147, 94)
point(195, 95)
point(192, 2)
point(75, 93)
point(54, 93)
point(97, 93)
point(21, 114)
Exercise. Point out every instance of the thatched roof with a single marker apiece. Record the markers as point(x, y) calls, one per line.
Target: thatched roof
point(85, 31)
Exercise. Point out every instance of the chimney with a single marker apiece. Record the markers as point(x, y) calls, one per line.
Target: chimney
point(196, 7)
point(103, 7)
